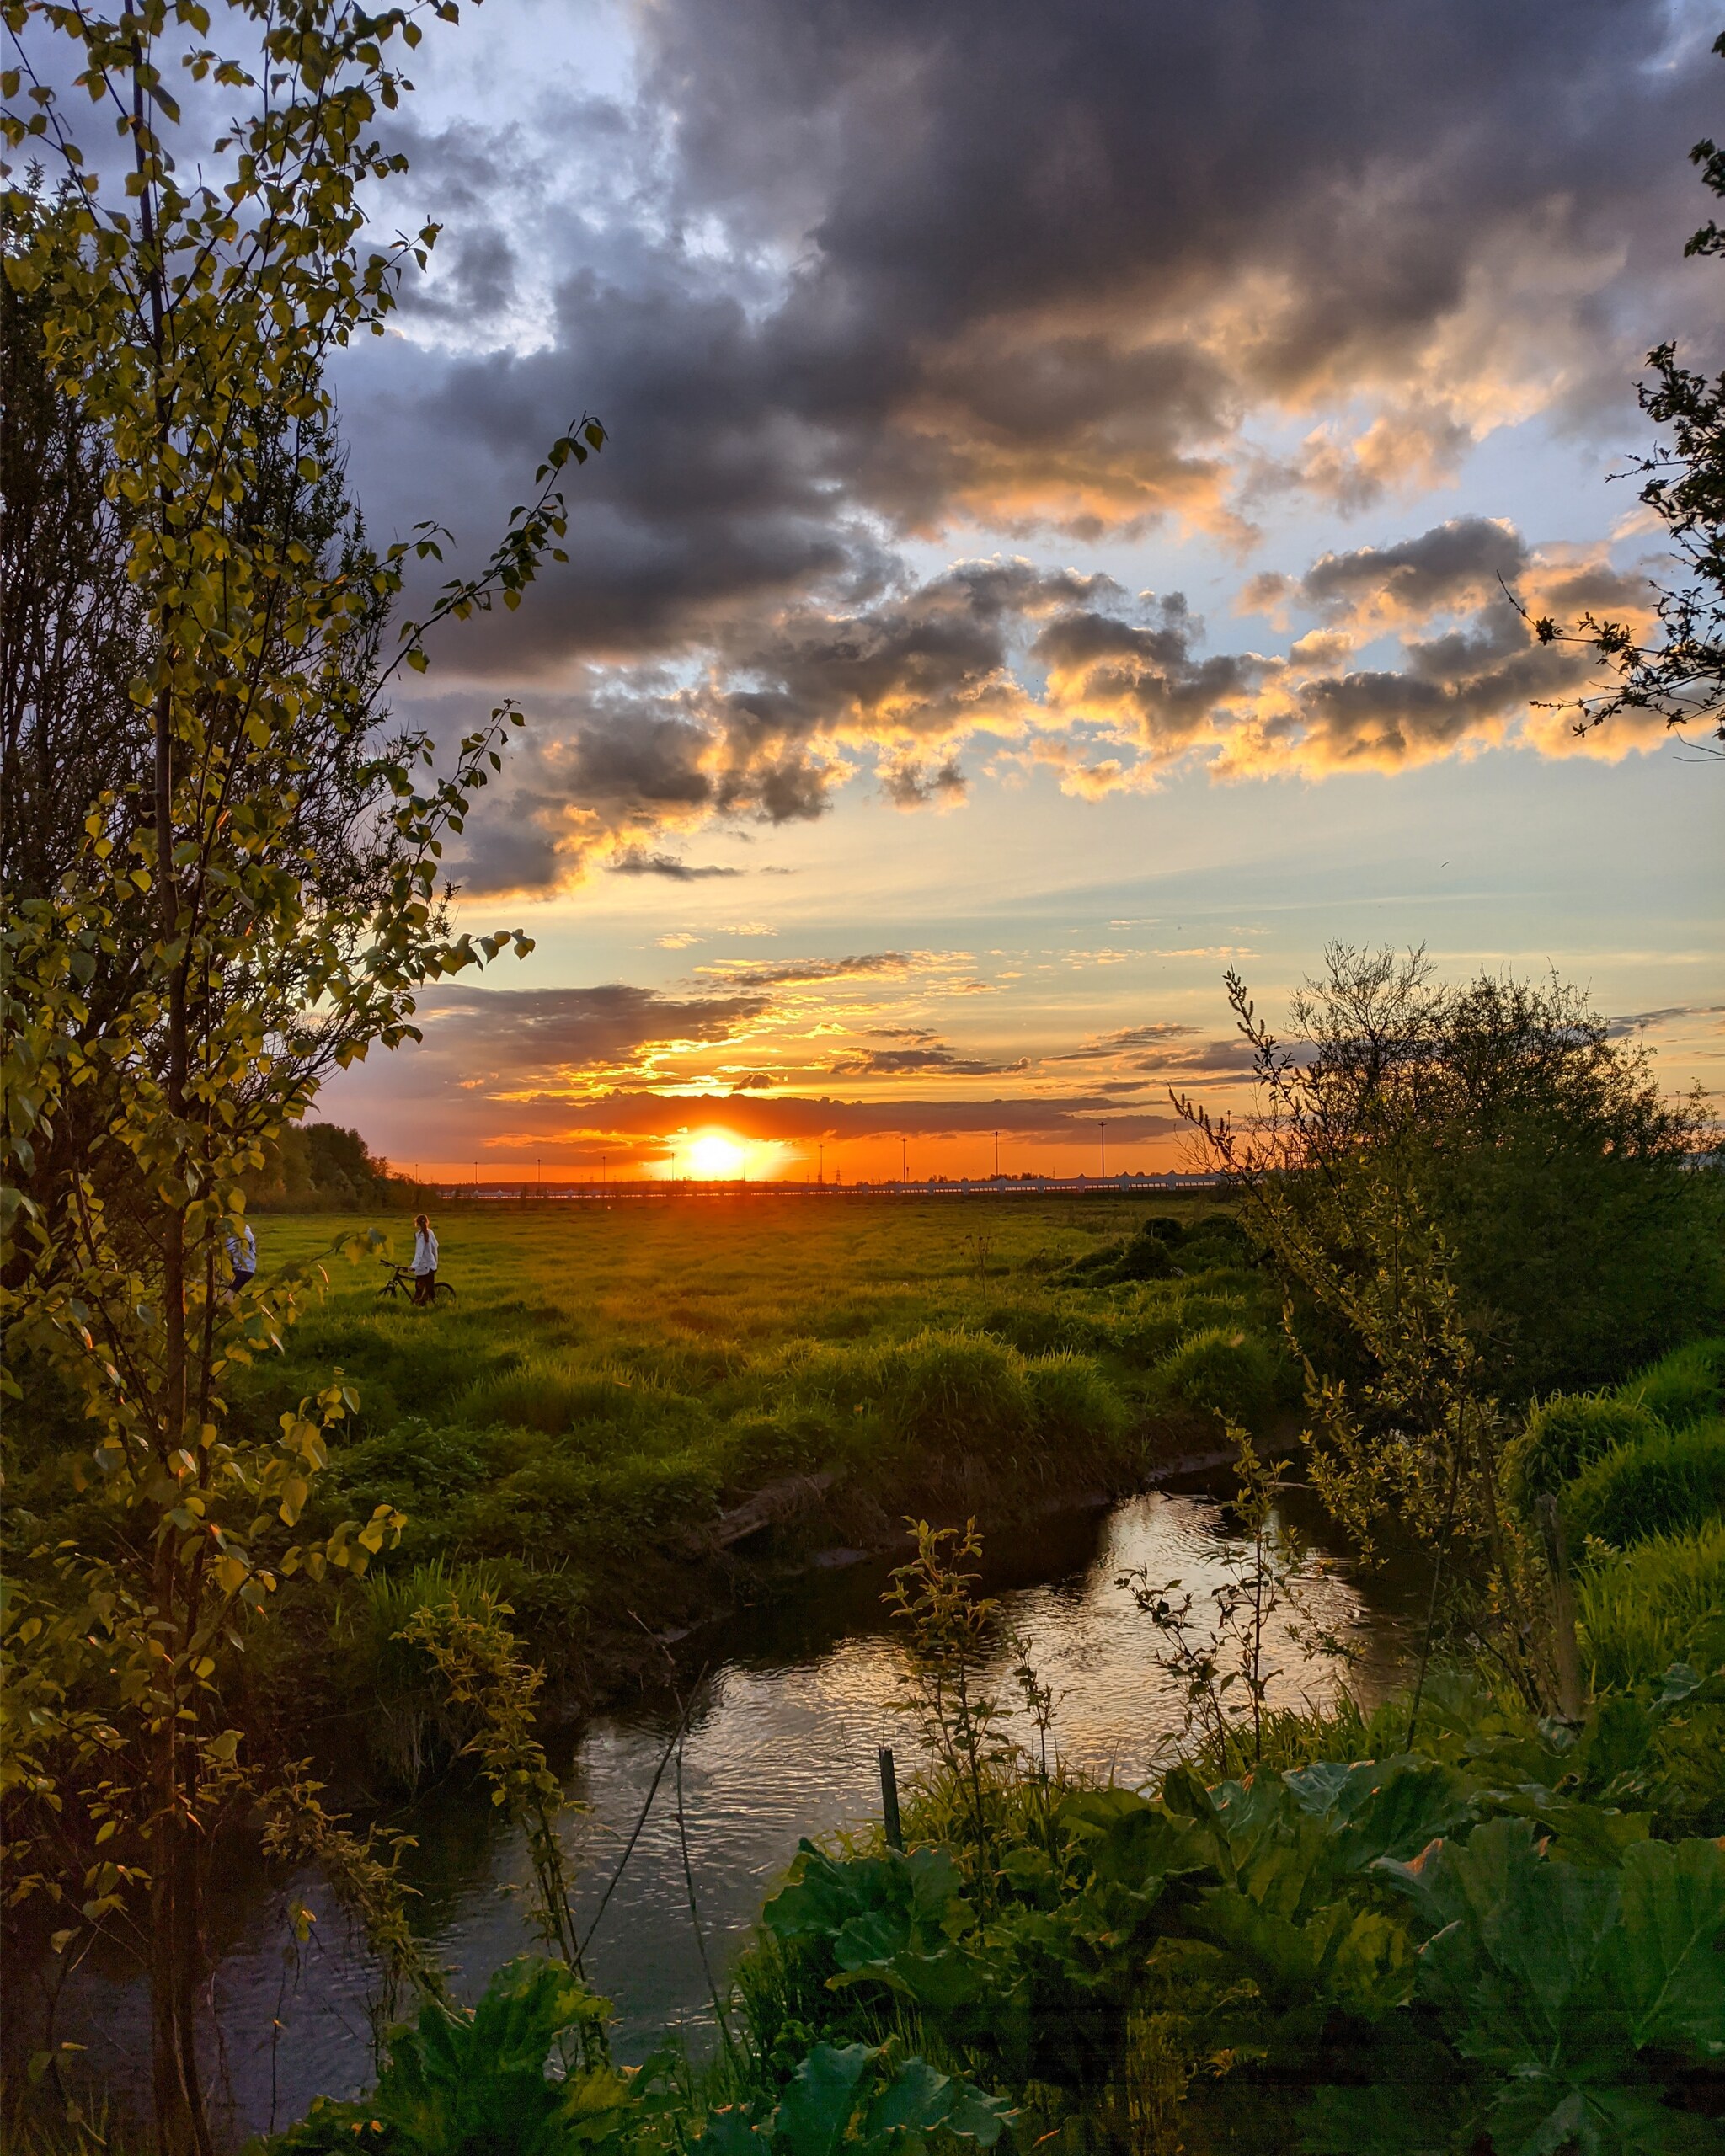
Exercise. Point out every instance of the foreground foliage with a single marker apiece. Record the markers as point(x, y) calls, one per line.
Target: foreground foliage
point(1484, 1946)
point(1512, 1939)
point(1320, 1939)
point(247, 898)
point(471, 2085)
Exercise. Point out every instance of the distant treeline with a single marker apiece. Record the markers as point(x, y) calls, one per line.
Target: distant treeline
point(321, 1167)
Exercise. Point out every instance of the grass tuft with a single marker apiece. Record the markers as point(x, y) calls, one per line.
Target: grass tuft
point(1638, 1613)
point(1672, 1480)
point(1687, 1385)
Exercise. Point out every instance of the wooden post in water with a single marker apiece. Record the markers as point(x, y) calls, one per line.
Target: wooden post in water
point(889, 1799)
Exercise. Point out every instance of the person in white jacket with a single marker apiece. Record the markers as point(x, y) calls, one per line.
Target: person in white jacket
point(243, 1257)
point(424, 1260)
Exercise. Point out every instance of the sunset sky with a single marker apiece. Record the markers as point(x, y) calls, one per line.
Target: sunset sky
point(1065, 466)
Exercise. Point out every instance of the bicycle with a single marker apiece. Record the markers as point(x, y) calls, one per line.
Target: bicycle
point(403, 1280)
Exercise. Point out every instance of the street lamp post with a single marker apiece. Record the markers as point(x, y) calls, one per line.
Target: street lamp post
point(1104, 1149)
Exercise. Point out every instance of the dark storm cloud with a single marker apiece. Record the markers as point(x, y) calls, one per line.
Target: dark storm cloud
point(1376, 719)
point(520, 1034)
point(763, 737)
point(1484, 678)
point(1146, 680)
point(1027, 265)
point(841, 280)
point(1462, 561)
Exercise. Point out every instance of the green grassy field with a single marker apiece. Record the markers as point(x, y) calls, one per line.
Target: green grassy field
point(607, 1383)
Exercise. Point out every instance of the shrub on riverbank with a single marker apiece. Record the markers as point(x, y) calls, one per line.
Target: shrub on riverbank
point(1662, 1602)
point(1224, 1371)
point(1563, 1436)
point(1672, 1480)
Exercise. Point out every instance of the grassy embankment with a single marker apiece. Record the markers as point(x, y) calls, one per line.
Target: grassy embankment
point(609, 1383)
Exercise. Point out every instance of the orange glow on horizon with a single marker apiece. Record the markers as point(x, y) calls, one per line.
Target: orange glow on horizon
point(710, 1153)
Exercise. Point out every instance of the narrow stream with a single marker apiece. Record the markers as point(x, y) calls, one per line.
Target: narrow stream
point(788, 1707)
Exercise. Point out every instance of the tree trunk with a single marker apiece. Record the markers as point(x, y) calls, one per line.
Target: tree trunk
point(182, 2129)
point(176, 1942)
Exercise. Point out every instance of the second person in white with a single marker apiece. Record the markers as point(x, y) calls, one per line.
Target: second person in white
point(424, 1260)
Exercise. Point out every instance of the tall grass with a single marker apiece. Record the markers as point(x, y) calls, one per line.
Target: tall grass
point(1073, 1406)
point(1686, 1387)
point(952, 1393)
point(1564, 1435)
point(552, 1393)
point(1640, 1612)
point(1671, 1481)
point(408, 1726)
point(1222, 1371)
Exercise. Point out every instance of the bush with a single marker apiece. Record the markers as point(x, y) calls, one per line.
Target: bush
point(1669, 1482)
point(1146, 1255)
point(552, 1393)
point(1073, 1404)
point(1683, 1387)
point(1163, 1247)
point(791, 1440)
point(414, 1460)
point(955, 1392)
point(1660, 1602)
point(1216, 1244)
point(1565, 1435)
point(1220, 1371)
point(407, 1725)
point(1149, 1255)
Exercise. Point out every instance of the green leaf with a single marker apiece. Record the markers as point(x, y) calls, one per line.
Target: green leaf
point(1665, 1962)
point(731, 2131)
point(816, 2107)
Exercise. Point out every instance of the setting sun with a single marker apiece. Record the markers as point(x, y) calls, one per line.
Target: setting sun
point(715, 1157)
